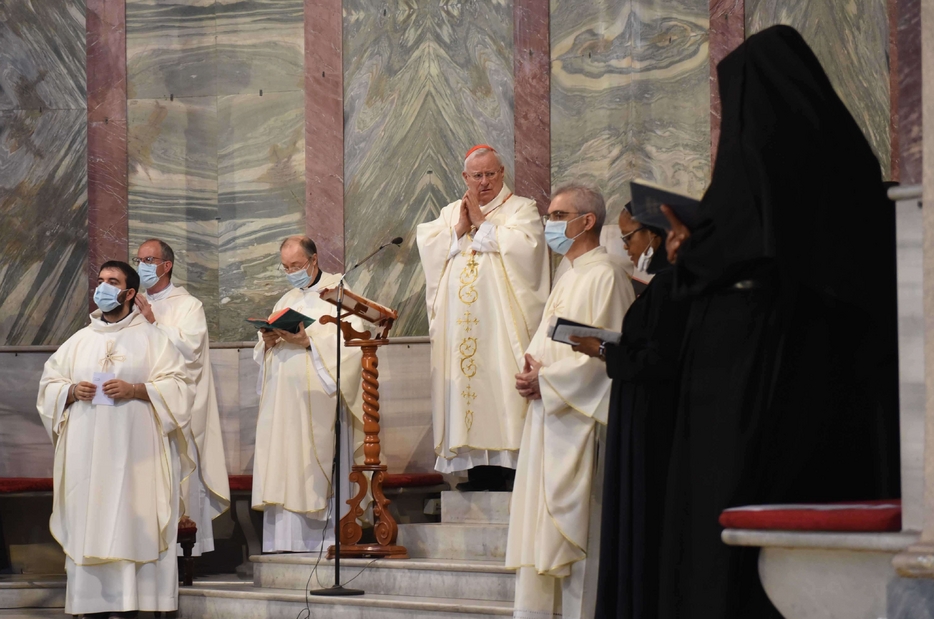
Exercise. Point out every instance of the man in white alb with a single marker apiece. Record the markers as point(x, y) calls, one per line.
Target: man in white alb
point(292, 464)
point(486, 280)
point(181, 318)
point(115, 399)
point(555, 512)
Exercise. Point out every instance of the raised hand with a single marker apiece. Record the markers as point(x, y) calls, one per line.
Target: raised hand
point(678, 234)
point(145, 308)
point(463, 221)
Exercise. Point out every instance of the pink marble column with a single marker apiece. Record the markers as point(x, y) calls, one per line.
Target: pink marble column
point(532, 70)
point(107, 136)
point(727, 31)
point(905, 66)
point(324, 131)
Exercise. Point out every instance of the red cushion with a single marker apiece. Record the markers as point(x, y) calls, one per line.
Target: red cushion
point(240, 483)
point(412, 480)
point(25, 484)
point(865, 516)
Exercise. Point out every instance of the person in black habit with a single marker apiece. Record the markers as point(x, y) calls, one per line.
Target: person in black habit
point(789, 367)
point(643, 405)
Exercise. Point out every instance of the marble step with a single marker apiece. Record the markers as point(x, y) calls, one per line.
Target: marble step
point(456, 541)
point(33, 613)
point(26, 591)
point(204, 602)
point(473, 580)
point(475, 507)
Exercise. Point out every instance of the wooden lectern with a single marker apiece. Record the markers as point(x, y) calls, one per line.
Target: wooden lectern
point(384, 524)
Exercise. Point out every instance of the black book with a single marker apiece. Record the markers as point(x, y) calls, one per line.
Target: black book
point(647, 198)
point(287, 320)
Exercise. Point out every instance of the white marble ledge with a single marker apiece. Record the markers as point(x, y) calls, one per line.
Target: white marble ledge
point(872, 542)
point(905, 192)
point(32, 581)
point(399, 602)
point(441, 565)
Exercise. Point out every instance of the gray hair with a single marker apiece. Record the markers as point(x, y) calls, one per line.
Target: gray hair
point(307, 245)
point(483, 151)
point(165, 251)
point(585, 200)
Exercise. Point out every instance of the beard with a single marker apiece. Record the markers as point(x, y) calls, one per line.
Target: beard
point(118, 312)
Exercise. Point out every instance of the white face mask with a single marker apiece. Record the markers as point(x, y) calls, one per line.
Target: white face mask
point(645, 259)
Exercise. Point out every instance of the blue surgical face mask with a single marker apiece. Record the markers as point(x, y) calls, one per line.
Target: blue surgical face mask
point(299, 279)
point(107, 297)
point(147, 275)
point(557, 238)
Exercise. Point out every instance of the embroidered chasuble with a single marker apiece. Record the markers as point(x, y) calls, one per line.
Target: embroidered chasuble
point(485, 294)
point(292, 463)
point(555, 510)
point(118, 469)
point(180, 317)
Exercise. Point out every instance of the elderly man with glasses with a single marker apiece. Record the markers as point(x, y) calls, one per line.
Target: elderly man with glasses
point(486, 272)
point(180, 316)
point(292, 482)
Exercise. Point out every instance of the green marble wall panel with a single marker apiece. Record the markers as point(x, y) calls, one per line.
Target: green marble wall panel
point(591, 96)
point(172, 187)
point(43, 171)
point(630, 95)
point(671, 94)
point(423, 81)
point(170, 48)
point(851, 41)
point(261, 200)
point(260, 46)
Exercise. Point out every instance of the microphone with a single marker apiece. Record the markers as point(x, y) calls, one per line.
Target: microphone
point(395, 241)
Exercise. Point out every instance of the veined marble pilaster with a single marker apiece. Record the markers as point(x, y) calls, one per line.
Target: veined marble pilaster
point(107, 136)
point(671, 94)
point(908, 43)
point(727, 32)
point(422, 83)
point(261, 200)
point(324, 127)
point(851, 41)
point(173, 189)
point(532, 109)
point(43, 171)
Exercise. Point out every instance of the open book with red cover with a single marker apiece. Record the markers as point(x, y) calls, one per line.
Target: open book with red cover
point(287, 320)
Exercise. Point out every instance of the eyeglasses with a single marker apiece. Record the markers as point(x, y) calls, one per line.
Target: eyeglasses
point(479, 176)
point(286, 269)
point(147, 260)
point(557, 216)
point(625, 237)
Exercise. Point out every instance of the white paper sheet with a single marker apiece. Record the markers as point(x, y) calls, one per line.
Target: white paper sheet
point(100, 397)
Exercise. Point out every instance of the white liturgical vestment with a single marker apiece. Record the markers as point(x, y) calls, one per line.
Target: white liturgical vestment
point(295, 428)
point(181, 318)
point(117, 469)
point(554, 516)
point(485, 295)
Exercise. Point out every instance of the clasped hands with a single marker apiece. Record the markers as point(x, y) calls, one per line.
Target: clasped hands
point(527, 379)
point(271, 337)
point(470, 214)
point(113, 388)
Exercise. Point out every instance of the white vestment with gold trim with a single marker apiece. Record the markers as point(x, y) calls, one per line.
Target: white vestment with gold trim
point(295, 427)
point(485, 294)
point(180, 317)
point(554, 516)
point(118, 469)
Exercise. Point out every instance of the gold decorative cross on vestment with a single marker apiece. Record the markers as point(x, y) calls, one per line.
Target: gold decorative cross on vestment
point(111, 357)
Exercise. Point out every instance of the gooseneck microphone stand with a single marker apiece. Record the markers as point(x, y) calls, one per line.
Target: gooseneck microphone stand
point(337, 589)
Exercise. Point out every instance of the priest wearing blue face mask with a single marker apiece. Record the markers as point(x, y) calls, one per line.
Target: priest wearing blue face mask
point(180, 316)
point(554, 515)
point(115, 400)
point(298, 395)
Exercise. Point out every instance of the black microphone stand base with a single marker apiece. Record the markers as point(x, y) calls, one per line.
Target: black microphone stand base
point(336, 591)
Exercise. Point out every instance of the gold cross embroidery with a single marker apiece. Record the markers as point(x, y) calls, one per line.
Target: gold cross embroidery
point(469, 394)
point(468, 322)
point(111, 357)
